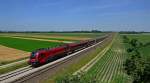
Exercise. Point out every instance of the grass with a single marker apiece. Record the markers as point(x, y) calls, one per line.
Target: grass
point(141, 37)
point(145, 51)
point(26, 45)
point(78, 64)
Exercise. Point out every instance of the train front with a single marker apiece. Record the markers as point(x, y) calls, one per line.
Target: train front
point(33, 59)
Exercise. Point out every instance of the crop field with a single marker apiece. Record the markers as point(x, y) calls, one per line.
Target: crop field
point(7, 54)
point(26, 45)
point(18, 45)
point(144, 38)
point(28, 42)
point(14, 49)
point(109, 68)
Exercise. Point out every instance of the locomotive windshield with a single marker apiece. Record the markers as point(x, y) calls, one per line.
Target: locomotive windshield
point(32, 55)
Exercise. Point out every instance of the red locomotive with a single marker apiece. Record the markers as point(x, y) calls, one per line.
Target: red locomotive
point(45, 55)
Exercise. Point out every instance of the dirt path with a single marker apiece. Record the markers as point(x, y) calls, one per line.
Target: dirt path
point(8, 54)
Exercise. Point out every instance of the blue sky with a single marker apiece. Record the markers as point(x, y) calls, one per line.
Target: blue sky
point(59, 15)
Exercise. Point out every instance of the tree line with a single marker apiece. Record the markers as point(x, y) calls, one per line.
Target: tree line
point(136, 65)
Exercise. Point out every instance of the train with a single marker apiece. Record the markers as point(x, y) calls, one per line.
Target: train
point(45, 55)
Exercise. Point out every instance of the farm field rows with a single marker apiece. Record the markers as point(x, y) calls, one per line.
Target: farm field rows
point(109, 69)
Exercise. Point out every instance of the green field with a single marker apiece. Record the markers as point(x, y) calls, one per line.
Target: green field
point(26, 45)
point(109, 69)
point(146, 51)
point(144, 38)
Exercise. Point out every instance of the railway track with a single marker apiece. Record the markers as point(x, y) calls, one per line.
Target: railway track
point(23, 74)
point(14, 73)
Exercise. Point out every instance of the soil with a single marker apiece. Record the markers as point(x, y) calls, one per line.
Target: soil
point(9, 54)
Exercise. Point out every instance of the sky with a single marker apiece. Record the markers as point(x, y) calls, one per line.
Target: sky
point(70, 15)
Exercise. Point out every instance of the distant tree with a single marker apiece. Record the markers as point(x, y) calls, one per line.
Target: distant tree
point(96, 31)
